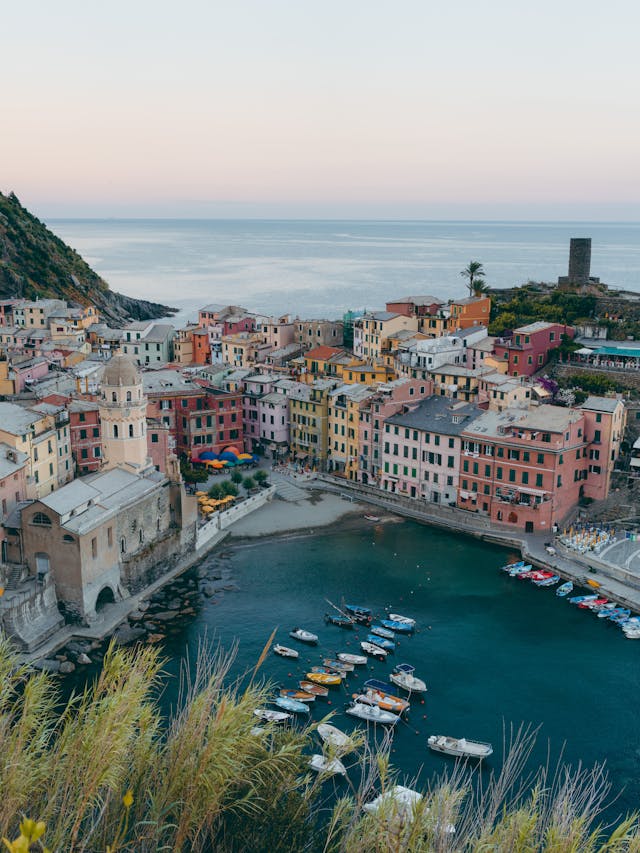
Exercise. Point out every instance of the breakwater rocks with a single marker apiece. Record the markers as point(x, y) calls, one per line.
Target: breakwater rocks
point(162, 614)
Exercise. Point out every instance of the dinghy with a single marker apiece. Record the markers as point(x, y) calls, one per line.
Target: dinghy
point(304, 636)
point(298, 695)
point(379, 631)
point(372, 649)
point(551, 581)
point(356, 660)
point(578, 599)
point(509, 567)
point(403, 676)
point(328, 670)
point(324, 678)
point(360, 614)
point(291, 705)
point(314, 689)
point(459, 747)
point(517, 571)
point(388, 645)
point(338, 665)
point(396, 617)
point(386, 701)
point(372, 714)
point(398, 627)
point(334, 736)
point(270, 716)
point(285, 651)
point(340, 621)
point(565, 589)
point(331, 766)
point(606, 609)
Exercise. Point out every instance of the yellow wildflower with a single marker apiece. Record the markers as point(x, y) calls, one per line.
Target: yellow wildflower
point(128, 799)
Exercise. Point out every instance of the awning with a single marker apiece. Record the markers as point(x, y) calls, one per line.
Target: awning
point(583, 351)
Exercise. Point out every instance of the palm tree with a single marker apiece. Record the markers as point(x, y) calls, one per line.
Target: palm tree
point(480, 287)
point(474, 271)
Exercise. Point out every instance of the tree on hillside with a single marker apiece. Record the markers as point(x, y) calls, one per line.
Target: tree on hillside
point(472, 273)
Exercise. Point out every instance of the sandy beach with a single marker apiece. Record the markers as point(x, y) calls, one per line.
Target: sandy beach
point(280, 516)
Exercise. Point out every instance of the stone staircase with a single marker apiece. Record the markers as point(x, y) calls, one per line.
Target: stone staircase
point(286, 490)
point(13, 574)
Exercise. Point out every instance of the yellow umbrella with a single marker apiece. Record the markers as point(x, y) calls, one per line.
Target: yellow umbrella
point(201, 494)
point(208, 509)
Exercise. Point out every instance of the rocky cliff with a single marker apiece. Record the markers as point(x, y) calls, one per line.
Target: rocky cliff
point(36, 263)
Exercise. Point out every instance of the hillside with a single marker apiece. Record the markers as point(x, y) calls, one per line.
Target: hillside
point(36, 263)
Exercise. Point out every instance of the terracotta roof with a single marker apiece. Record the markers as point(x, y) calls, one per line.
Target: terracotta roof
point(323, 352)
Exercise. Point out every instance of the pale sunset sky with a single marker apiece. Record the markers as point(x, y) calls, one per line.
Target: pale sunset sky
point(406, 109)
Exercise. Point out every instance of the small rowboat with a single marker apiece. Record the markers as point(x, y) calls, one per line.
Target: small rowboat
point(593, 605)
point(372, 714)
point(565, 589)
point(552, 581)
point(304, 636)
point(285, 651)
point(334, 737)
point(379, 631)
point(340, 621)
point(324, 678)
point(516, 571)
point(322, 764)
point(356, 660)
point(386, 701)
point(298, 695)
point(338, 665)
point(398, 627)
point(396, 617)
point(511, 566)
point(314, 689)
point(578, 599)
point(291, 705)
point(402, 676)
point(372, 517)
point(360, 614)
point(271, 716)
point(459, 747)
point(372, 649)
point(329, 670)
point(387, 645)
point(605, 611)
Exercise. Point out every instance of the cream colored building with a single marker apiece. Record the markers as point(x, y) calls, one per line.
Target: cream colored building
point(123, 414)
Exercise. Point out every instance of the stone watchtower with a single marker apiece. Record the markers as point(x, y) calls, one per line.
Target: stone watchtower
point(123, 413)
point(579, 264)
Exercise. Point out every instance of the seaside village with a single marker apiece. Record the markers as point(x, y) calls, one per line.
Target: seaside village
point(98, 425)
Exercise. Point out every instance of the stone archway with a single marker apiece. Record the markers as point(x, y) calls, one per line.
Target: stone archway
point(105, 596)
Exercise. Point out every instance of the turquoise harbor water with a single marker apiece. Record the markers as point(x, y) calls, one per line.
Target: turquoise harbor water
point(493, 650)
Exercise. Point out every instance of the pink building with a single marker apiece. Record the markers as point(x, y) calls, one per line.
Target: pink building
point(13, 487)
point(273, 422)
point(256, 386)
point(159, 443)
point(528, 350)
point(85, 436)
point(415, 306)
point(605, 421)
point(389, 399)
point(422, 447)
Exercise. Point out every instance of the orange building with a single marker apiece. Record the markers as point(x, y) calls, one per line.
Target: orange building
point(472, 311)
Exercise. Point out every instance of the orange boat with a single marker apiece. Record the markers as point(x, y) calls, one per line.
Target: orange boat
point(324, 678)
point(386, 701)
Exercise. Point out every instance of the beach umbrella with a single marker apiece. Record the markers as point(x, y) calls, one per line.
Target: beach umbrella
point(201, 494)
point(233, 450)
point(208, 454)
point(245, 456)
point(207, 509)
point(228, 457)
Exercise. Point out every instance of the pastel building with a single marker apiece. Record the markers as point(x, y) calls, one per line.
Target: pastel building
point(415, 306)
point(389, 399)
point(605, 422)
point(315, 333)
point(148, 342)
point(13, 488)
point(422, 447)
point(309, 424)
point(465, 313)
point(345, 404)
point(85, 432)
point(372, 331)
point(123, 415)
point(529, 347)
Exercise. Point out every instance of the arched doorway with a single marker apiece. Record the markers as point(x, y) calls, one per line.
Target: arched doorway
point(42, 564)
point(105, 596)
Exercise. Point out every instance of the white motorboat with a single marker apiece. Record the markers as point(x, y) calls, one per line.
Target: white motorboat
point(270, 716)
point(356, 660)
point(406, 620)
point(303, 636)
point(372, 714)
point(285, 651)
point(459, 747)
point(334, 737)
point(370, 649)
point(402, 676)
point(404, 801)
point(322, 764)
point(258, 731)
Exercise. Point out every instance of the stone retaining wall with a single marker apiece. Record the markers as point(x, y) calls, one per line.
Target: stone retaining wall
point(222, 520)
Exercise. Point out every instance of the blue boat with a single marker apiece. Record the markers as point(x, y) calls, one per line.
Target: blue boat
point(578, 599)
point(565, 589)
point(388, 645)
point(398, 627)
point(291, 705)
point(382, 632)
point(340, 621)
point(619, 614)
point(384, 686)
point(548, 581)
point(360, 614)
point(510, 566)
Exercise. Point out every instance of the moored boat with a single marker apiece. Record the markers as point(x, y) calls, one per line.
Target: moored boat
point(398, 627)
point(325, 678)
point(373, 649)
point(397, 617)
point(384, 686)
point(329, 670)
point(334, 736)
point(304, 636)
point(552, 581)
point(315, 689)
point(340, 621)
point(510, 566)
point(360, 614)
point(338, 665)
point(298, 695)
point(270, 716)
point(322, 764)
point(565, 589)
point(593, 605)
point(356, 660)
point(285, 651)
point(459, 747)
point(387, 645)
point(386, 701)
point(403, 676)
point(379, 631)
point(578, 599)
point(291, 705)
point(621, 616)
point(372, 517)
point(523, 569)
point(372, 714)
point(605, 611)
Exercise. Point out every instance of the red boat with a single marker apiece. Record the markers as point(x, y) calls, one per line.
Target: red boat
point(593, 605)
point(538, 575)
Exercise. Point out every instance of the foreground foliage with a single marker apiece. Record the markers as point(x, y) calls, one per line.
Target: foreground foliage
point(109, 773)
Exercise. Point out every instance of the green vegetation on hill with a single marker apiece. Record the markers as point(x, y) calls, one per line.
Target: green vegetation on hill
point(109, 772)
point(528, 304)
point(35, 263)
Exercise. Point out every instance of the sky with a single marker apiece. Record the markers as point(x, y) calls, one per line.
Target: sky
point(358, 108)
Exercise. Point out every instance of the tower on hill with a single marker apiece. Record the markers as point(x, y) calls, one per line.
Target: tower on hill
point(123, 413)
point(579, 264)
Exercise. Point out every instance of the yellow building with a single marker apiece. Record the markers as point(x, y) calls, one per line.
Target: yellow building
point(183, 345)
point(372, 331)
point(367, 374)
point(244, 349)
point(345, 405)
point(43, 435)
point(457, 382)
point(309, 424)
point(433, 326)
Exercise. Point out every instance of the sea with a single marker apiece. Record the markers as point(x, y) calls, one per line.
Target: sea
point(323, 268)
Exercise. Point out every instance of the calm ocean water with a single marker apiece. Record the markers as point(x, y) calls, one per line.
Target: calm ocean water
point(322, 268)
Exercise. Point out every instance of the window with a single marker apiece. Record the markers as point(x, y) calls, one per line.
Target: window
point(525, 478)
point(128, 396)
point(512, 475)
point(41, 519)
point(110, 537)
point(154, 438)
point(114, 397)
point(96, 432)
point(115, 430)
point(123, 545)
point(498, 473)
point(539, 480)
point(94, 547)
point(540, 459)
point(96, 452)
point(83, 433)
point(84, 453)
